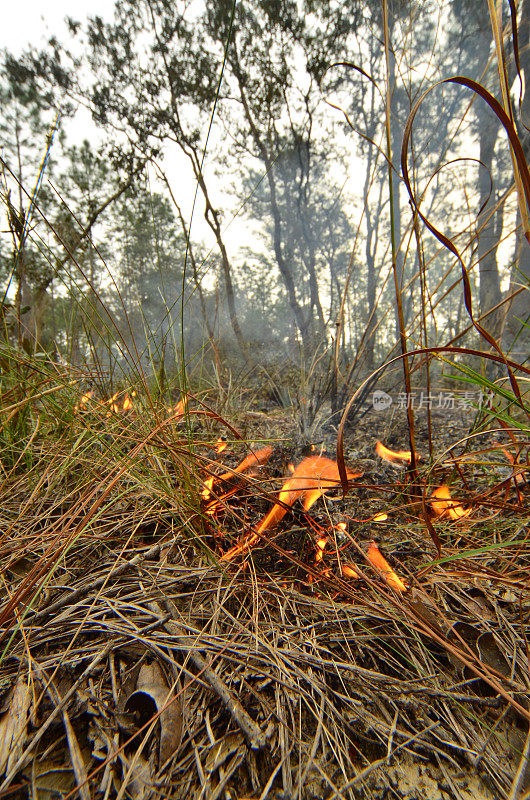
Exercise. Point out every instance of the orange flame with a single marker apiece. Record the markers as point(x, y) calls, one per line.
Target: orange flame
point(312, 478)
point(127, 403)
point(113, 406)
point(256, 459)
point(83, 401)
point(444, 506)
point(207, 490)
point(379, 562)
point(381, 517)
point(349, 571)
point(180, 409)
point(398, 457)
point(320, 547)
point(220, 445)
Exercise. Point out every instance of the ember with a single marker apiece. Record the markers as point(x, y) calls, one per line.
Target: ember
point(220, 445)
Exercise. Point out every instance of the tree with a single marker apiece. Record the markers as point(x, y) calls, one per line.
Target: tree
point(25, 126)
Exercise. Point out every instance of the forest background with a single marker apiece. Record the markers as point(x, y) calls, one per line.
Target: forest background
point(232, 207)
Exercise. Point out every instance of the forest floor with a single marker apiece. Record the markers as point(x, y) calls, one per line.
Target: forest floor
point(137, 663)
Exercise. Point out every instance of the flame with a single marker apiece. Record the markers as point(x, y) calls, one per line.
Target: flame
point(207, 490)
point(291, 467)
point(127, 403)
point(112, 404)
point(381, 517)
point(399, 457)
point(83, 401)
point(220, 445)
point(180, 409)
point(349, 571)
point(379, 562)
point(444, 506)
point(312, 478)
point(320, 547)
point(256, 459)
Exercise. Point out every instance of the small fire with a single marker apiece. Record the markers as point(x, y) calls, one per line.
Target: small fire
point(349, 571)
point(399, 457)
point(256, 459)
point(180, 409)
point(381, 517)
point(113, 405)
point(444, 506)
point(83, 401)
point(220, 445)
point(379, 562)
point(312, 478)
point(207, 490)
point(127, 403)
point(320, 547)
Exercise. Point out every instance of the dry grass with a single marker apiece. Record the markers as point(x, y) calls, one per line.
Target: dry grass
point(292, 681)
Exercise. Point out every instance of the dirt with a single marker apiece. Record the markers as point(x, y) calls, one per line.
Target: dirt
point(411, 780)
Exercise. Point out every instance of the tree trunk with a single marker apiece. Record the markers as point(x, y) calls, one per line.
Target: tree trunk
point(488, 220)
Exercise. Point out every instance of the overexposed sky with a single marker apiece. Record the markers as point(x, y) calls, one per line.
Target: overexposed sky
point(30, 23)
point(33, 21)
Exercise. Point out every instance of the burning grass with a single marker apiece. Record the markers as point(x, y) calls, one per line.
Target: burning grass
point(182, 621)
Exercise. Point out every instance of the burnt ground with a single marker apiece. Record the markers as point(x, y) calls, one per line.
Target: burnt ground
point(145, 667)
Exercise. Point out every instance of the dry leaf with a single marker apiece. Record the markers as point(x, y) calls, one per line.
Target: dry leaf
point(138, 779)
point(223, 749)
point(77, 759)
point(152, 683)
point(13, 726)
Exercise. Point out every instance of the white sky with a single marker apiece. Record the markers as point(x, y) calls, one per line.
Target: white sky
point(33, 21)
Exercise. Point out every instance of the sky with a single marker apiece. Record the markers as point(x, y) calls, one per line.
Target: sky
point(33, 21)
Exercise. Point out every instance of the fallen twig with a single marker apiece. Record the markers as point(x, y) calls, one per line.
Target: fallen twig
point(255, 736)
